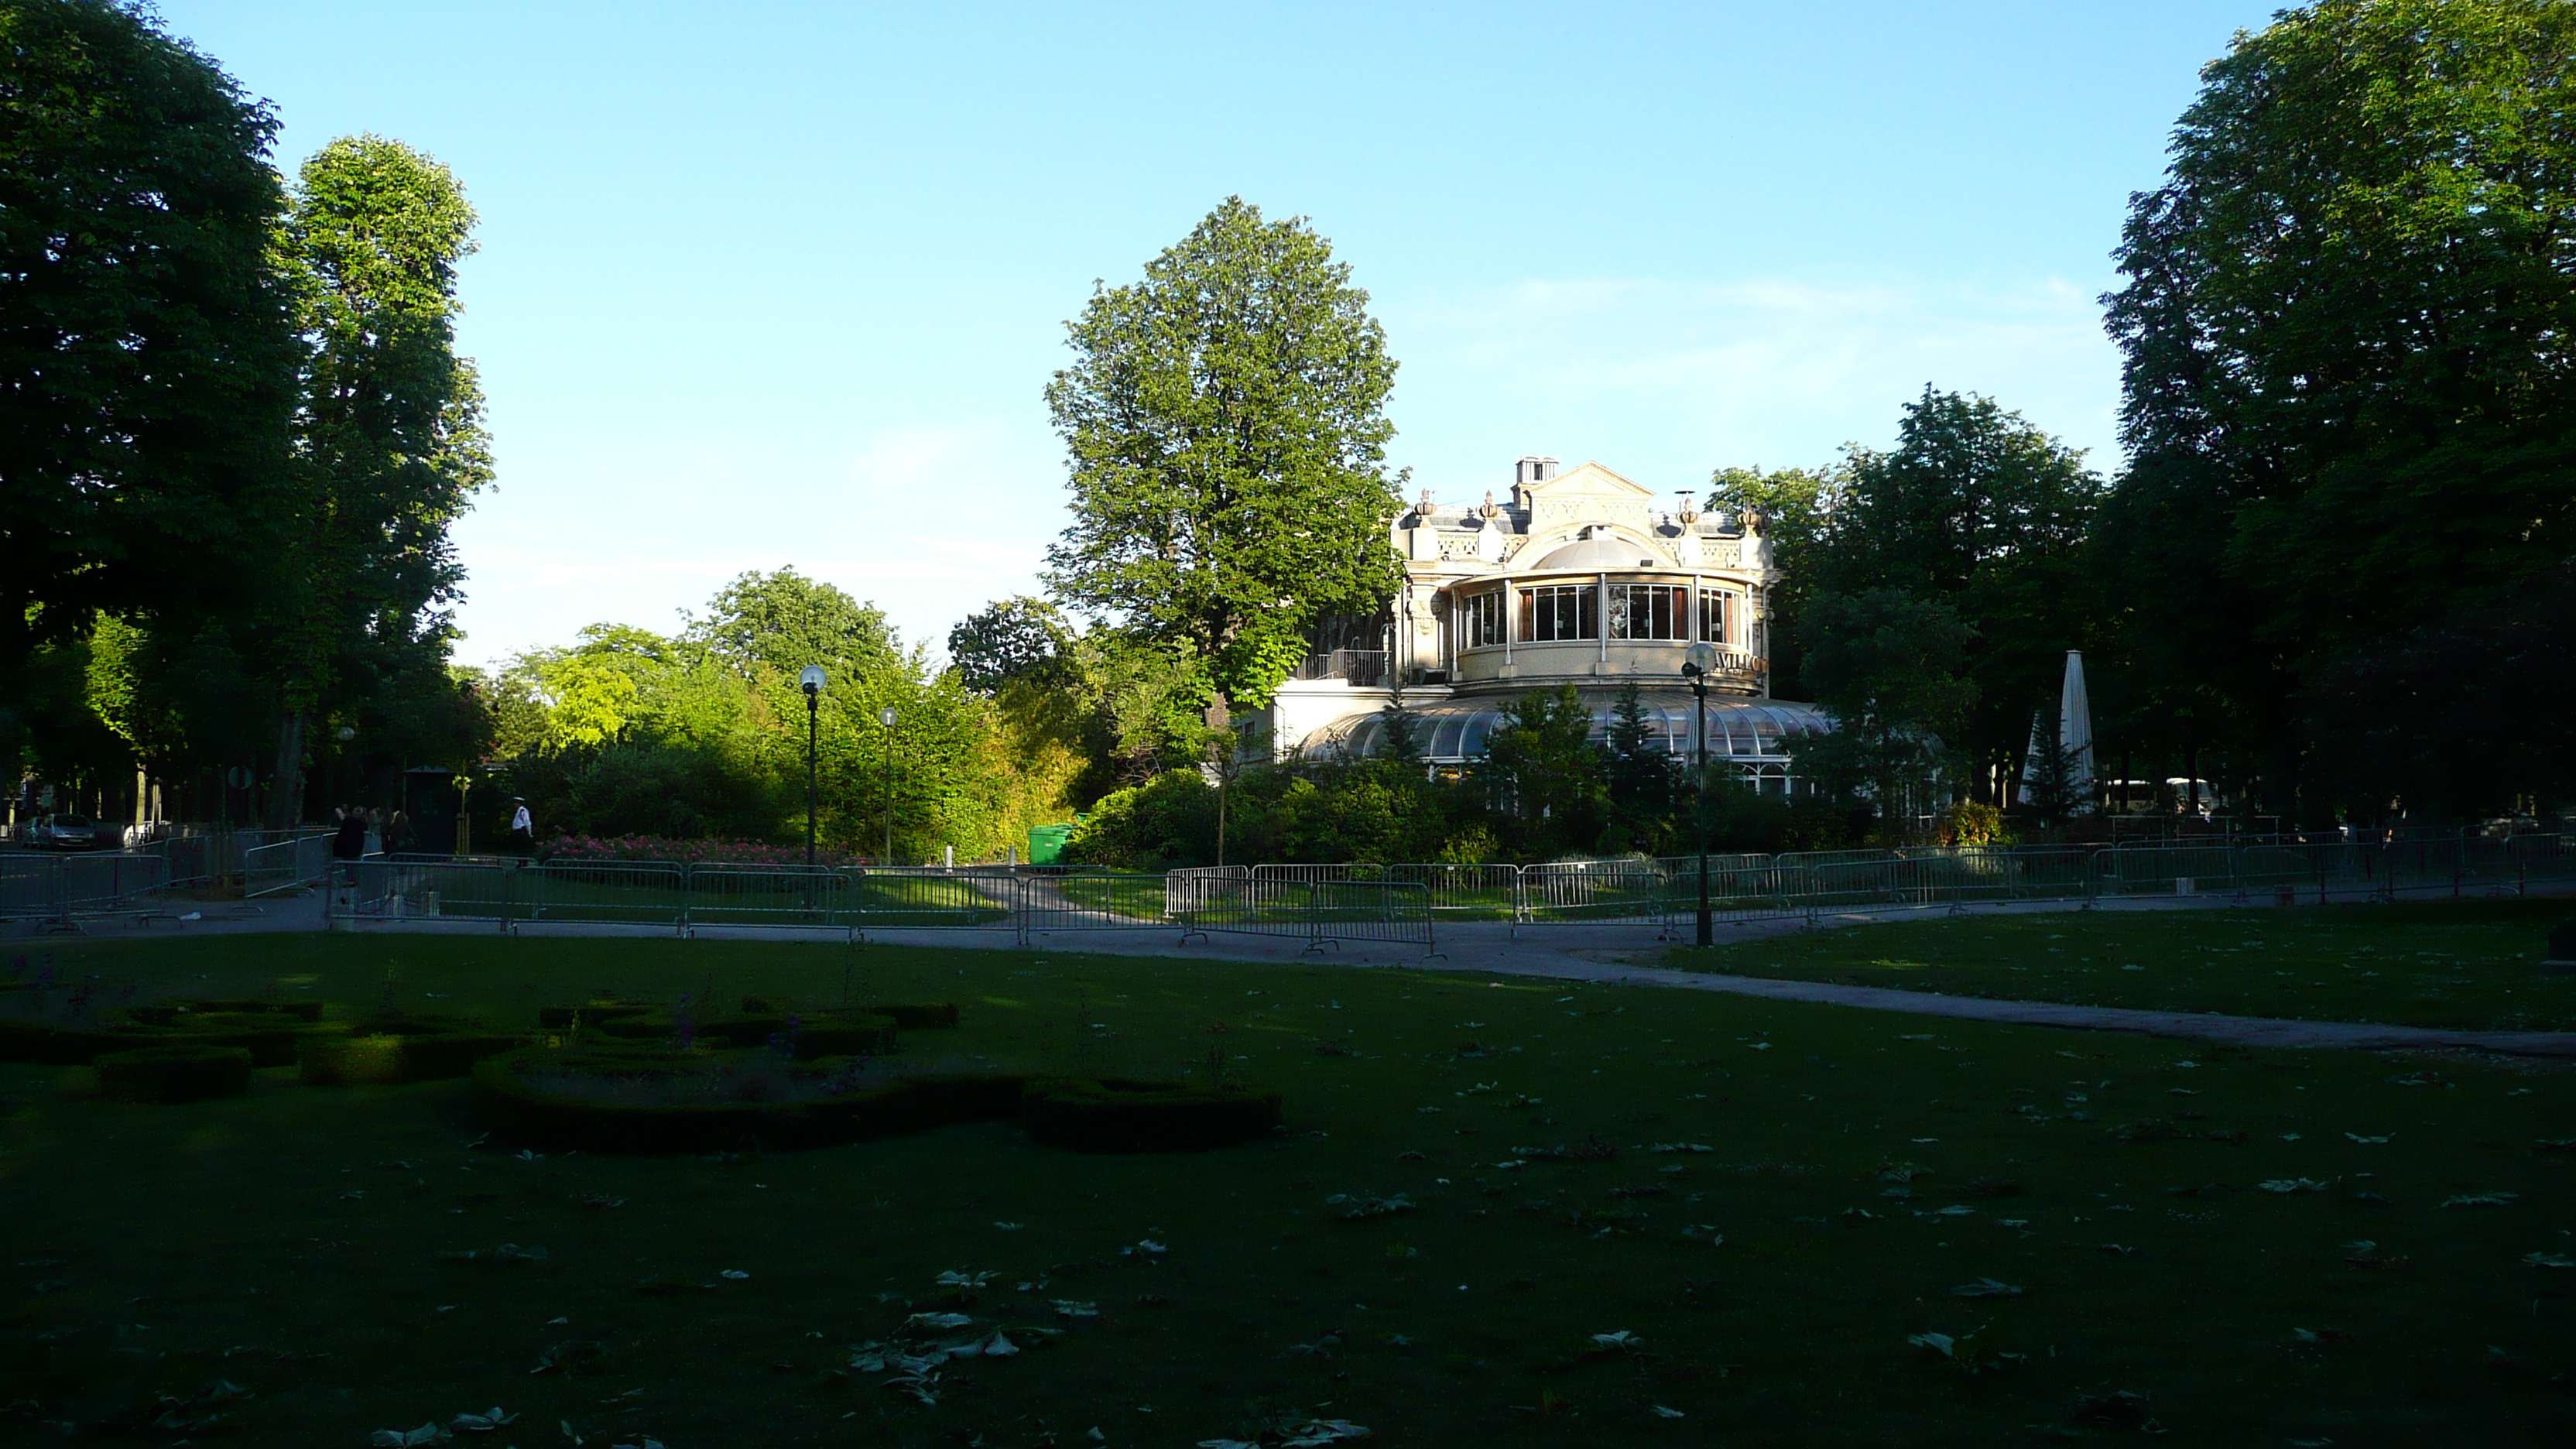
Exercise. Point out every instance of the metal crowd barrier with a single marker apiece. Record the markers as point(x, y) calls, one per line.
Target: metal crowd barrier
point(1329, 904)
point(285, 864)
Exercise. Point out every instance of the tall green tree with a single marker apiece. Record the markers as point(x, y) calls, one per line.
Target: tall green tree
point(1977, 513)
point(2347, 392)
point(389, 443)
point(147, 359)
point(1790, 507)
point(1226, 427)
point(1888, 664)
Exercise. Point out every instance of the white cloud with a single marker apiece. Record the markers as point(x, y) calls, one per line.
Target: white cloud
point(1666, 380)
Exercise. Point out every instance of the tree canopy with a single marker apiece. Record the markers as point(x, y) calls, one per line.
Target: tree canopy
point(1226, 431)
point(2347, 382)
point(146, 351)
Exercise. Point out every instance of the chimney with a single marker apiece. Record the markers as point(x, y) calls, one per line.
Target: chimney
point(1532, 470)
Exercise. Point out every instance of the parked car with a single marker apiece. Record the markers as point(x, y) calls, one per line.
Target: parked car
point(61, 832)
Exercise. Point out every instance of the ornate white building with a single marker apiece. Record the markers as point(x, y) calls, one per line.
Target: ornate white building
point(1580, 578)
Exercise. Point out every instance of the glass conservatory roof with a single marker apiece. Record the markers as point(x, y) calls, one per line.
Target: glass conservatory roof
point(1454, 731)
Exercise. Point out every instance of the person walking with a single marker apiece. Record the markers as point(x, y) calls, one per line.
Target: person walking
point(523, 829)
point(349, 842)
point(398, 833)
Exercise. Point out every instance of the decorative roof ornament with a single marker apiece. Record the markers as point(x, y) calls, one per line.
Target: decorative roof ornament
point(1688, 513)
point(1489, 510)
point(1752, 520)
point(1423, 507)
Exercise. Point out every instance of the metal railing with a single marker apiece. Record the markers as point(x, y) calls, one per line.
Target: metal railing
point(686, 898)
point(1402, 902)
point(286, 863)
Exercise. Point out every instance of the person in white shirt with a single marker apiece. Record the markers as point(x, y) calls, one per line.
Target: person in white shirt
point(523, 830)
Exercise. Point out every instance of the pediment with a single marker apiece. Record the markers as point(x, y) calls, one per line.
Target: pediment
point(1589, 480)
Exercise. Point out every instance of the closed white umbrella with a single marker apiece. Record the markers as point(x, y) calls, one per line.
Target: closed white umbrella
point(2075, 735)
point(2030, 763)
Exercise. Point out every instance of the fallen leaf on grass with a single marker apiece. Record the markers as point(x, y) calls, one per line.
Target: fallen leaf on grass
point(1070, 1308)
point(2121, 1250)
point(939, 1320)
point(2548, 1260)
point(2364, 1253)
point(1621, 1340)
point(955, 1278)
point(1663, 1413)
point(2357, 1137)
point(663, 1285)
point(736, 1274)
point(2480, 1199)
point(404, 1438)
point(482, 1423)
point(506, 1253)
point(1985, 1288)
point(2291, 1184)
point(1368, 1205)
point(567, 1356)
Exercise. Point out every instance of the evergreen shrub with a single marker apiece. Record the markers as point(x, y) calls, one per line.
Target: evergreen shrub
point(173, 1074)
point(1117, 1114)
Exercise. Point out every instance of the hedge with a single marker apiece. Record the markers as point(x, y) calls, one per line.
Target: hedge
point(391, 1050)
point(1109, 1115)
point(528, 1113)
point(173, 1074)
point(820, 1035)
point(1118, 1114)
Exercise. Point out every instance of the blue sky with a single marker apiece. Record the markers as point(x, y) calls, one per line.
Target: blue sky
point(782, 283)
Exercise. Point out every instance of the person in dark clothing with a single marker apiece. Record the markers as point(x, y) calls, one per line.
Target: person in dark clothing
point(351, 841)
point(397, 835)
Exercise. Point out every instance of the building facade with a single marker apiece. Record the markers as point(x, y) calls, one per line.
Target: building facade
point(1579, 577)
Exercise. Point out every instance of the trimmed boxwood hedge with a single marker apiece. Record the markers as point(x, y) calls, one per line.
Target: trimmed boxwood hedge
point(403, 1049)
point(46, 1045)
point(1112, 1115)
point(565, 1018)
point(272, 1040)
point(173, 1074)
point(1118, 1114)
point(819, 1035)
point(526, 1112)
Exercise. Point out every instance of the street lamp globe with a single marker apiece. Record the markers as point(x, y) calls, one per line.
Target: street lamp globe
point(885, 716)
point(812, 679)
point(1699, 659)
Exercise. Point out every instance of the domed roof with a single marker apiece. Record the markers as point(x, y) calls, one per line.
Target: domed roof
point(1603, 552)
point(1454, 731)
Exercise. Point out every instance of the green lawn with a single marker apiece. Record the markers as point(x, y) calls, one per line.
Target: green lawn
point(2467, 964)
point(1859, 1166)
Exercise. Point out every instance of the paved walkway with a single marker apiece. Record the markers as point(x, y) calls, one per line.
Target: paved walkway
point(1610, 954)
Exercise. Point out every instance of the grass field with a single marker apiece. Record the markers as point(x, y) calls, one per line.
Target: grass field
point(1568, 1160)
point(2466, 964)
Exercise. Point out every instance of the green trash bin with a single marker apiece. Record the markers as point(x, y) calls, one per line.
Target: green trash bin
point(1046, 843)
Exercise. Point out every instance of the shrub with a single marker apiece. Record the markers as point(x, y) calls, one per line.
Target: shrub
point(1114, 1114)
point(391, 1050)
point(640, 1099)
point(832, 1034)
point(173, 1074)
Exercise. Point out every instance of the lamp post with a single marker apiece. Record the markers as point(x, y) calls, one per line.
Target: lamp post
point(811, 681)
point(1695, 667)
point(886, 717)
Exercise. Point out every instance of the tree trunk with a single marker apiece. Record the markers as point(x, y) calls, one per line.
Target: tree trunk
point(286, 791)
